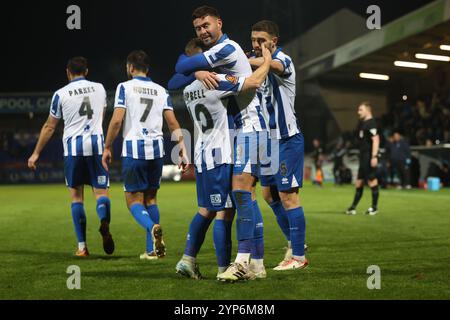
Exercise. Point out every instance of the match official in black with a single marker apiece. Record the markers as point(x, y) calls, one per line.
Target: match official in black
point(369, 145)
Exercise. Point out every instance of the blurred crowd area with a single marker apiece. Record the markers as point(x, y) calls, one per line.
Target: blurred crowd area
point(17, 146)
point(423, 122)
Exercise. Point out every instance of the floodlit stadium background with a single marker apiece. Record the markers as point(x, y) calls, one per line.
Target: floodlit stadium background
point(332, 79)
point(336, 58)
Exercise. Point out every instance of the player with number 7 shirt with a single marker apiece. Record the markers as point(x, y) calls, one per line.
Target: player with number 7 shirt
point(141, 105)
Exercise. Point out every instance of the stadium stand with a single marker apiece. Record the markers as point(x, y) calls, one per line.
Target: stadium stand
point(414, 101)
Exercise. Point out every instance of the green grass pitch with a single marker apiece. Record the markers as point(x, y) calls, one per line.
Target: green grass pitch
point(409, 240)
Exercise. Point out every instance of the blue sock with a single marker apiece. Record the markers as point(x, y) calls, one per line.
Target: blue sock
point(245, 220)
point(222, 242)
point(79, 221)
point(258, 242)
point(153, 211)
point(197, 231)
point(142, 217)
point(282, 218)
point(228, 228)
point(298, 228)
point(104, 209)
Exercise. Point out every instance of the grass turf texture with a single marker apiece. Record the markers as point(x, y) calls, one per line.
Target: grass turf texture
point(409, 240)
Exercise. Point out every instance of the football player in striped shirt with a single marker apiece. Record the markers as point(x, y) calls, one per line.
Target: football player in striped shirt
point(141, 105)
point(212, 113)
point(280, 189)
point(81, 104)
point(227, 57)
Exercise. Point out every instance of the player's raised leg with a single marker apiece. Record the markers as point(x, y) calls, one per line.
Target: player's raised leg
point(153, 210)
point(135, 203)
point(104, 214)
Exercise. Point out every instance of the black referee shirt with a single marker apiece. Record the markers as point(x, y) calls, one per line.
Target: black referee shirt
point(366, 130)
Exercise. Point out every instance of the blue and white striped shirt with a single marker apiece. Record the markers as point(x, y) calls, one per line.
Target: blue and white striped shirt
point(81, 104)
point(145, 102)
point(277, 94)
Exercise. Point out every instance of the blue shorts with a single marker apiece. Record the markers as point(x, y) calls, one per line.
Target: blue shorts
point(247, 150)
point(82, 170)
point(141, 175)
point(214, 188)
point(290, 171)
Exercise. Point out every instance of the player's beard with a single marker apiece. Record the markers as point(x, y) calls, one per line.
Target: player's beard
point(209, 41)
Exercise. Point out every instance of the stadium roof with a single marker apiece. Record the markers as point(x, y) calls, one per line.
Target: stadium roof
point(421, 31)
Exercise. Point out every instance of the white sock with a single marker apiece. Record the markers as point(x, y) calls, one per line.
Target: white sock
point(258, 263)
point(289, 244)
point(222, 269)
point(188, 258)
point(299, 258)
point(243, 258)
point(81, 245)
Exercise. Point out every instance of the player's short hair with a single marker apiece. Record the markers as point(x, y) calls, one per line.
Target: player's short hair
point(139, 60)
point(192, 45)
point(77, 65)
point(367, 104)
point(204, 11)
point(268, 26)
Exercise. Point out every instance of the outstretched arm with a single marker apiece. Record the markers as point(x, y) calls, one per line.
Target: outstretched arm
point(187, 65)
point(179, 81)
point(46, 133)
point(275, 66)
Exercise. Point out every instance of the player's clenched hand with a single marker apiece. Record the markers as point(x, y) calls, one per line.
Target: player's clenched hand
point(374, 162)
point(209, 79)
point(106, 158)
point(32, 161)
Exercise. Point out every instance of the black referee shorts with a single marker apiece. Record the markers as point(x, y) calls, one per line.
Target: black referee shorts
point(366, 172)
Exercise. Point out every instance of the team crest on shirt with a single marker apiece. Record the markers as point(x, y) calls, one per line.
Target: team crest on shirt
point(283, 169)
point(216, 199)
point(232, 79)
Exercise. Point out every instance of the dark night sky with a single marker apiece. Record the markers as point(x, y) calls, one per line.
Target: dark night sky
point(36, 43)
